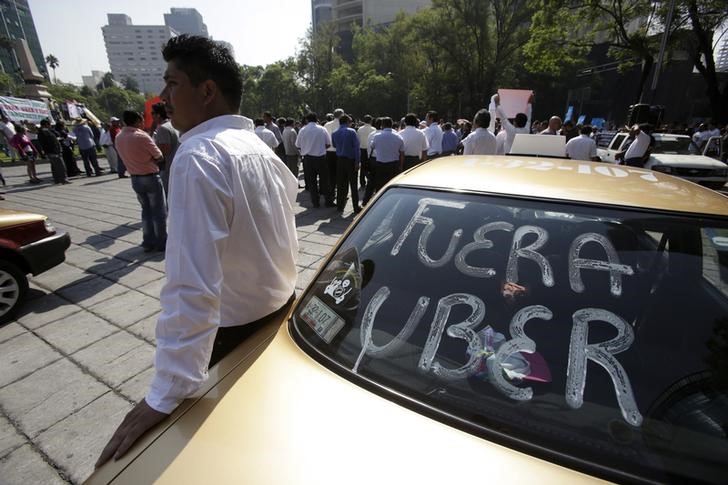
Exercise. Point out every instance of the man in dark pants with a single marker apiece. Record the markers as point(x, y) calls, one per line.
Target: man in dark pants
point(363, 133)
point(313, 140)
point(346, 142)
point(52, 149)
point(390, 154)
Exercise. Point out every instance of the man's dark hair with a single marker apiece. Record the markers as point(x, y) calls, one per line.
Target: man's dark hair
point(202, 59)
point(586, 130)
point(280, 121)
point(267, 114)
point(45, 122)
point(410, 119)
point(433, 114)
point(259, 122)
point(482, 118)
point(520, 120)
point(160, 110)
point(386, 122)
point(343, 119)
point(377, 123)
point(131, 118)
point(447, 126)
point(311, 117)
point(289, 122)
point(368, 119)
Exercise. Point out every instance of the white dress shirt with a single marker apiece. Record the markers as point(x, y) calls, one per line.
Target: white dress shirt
point(372, 151)
point(231, 249)
point(433, 133)
point(331, 127)
point(500, 142)
point(479, 142)
point(313, 139)
point(510, 129)
point(581, 147)
point(363, 134)
point(639, 146)
point(268, 137)
point(415, 142)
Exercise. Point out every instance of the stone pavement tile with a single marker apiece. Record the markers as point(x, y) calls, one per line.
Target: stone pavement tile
point(10, 330)
point(10, 439)
point(93, 291)
point(135, 276)
point(126, 309)
point(145, 328)
point(75, 443)
point(45, 309)
point(136, 388)
point(117, 358)
point(62, 276)
point(23, 355)
point(48, 395)
point(25, 466)
point(76, 331)
point(322, 239)
point(107, 265)
point(310, 247)
point(154, 288)
point(308, 260)
point(156, 262)
point(304, 278)
point(83, 256)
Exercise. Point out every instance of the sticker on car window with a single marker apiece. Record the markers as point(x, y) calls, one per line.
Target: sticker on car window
point(322, 319)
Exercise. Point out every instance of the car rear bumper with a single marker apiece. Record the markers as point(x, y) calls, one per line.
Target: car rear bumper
point(45, 254)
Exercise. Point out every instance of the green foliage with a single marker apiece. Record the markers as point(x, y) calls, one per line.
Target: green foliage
point(106, 82)
point(130, 84)
point(8, 85)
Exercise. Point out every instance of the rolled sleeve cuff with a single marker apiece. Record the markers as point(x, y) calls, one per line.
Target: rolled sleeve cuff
point(159, 398)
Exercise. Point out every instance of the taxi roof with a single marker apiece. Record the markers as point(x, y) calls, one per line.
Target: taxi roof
point(566, 180)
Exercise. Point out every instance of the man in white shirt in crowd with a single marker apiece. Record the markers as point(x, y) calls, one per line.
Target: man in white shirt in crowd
point(433, 133)
point(415, 142)
point(8, 130)
point(289, 145)
point(331, 158)
point(637, 152)
point(521, 123)
point(363, 133)
point(313, 140)
point(232, 249)
point(583, 147)
point(265, 134)
point(481, 141)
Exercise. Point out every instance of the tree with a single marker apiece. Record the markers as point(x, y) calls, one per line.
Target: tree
point(315, 62)
point(562, 34)
point(106, 82)
point(8, 85)
point(130, 84)
point(86, 91)
point(52, 61)
point(250, 103)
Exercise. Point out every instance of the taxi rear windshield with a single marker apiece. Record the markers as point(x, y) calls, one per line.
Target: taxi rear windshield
point(596, 337)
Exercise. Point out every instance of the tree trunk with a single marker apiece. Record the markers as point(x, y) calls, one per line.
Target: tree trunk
point(647, 62)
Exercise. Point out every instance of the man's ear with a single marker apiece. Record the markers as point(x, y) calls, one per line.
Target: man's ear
point(208, 90)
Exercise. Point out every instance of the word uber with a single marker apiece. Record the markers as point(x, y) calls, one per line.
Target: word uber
point(602, 353)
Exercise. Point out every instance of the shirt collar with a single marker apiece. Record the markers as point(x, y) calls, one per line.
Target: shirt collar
point(220, 122)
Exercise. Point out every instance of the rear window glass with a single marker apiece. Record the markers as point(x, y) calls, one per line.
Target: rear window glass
point(598, 334)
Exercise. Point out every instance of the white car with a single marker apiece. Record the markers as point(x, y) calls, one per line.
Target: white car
point(673, 154)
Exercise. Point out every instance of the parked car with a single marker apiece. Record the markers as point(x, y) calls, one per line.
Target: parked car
point(677, 155)
point(29, 244)
point(485, 319)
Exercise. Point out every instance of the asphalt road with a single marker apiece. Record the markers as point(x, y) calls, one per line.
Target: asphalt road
point(80, 353)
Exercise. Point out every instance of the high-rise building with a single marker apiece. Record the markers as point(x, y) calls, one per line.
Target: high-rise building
point(134, 51)
point(17, 23)
point(186, 21)
point(321, 12)
point(720, 40)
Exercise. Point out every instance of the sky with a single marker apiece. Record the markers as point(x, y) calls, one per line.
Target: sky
point(261, 31)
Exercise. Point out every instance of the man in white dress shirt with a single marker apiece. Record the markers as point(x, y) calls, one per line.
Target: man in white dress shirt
point(582, 147)
point(232, 249)
point(331, 158)
point(521, 124)
point(415, 142)
point(433, 133)
point(363, 133)
point(313, 140)
point(268, 137)
point(481, 141)
point(638, 151)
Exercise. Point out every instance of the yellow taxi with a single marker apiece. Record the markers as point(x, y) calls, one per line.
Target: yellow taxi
point(484, 320)
point(29, 244)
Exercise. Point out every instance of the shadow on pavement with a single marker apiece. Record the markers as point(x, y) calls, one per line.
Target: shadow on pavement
point(104, 239)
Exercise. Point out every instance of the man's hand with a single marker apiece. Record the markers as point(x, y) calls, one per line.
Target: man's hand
point(496, 99)
point(531, 98)
point(135, 424)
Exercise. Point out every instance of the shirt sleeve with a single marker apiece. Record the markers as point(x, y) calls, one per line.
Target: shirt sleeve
point(200, 211)
point(163, 136)
point(492, 111)
point(467, 146)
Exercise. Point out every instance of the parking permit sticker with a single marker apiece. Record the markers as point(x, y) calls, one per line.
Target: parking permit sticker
point(322, 319)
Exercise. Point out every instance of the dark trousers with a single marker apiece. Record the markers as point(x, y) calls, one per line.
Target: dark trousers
point(331, 160)
point(346, 179)
point(120, 167)
point(90, 160)
point(371, 175)
point(383, 173)
point(318, 180)
point(57, 168)
point(227, 338)
point(292, 164)
point(363, 167)
point(70, 161)
point(410, 161)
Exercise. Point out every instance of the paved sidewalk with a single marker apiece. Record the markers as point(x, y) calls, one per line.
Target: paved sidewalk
point(80, 353)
